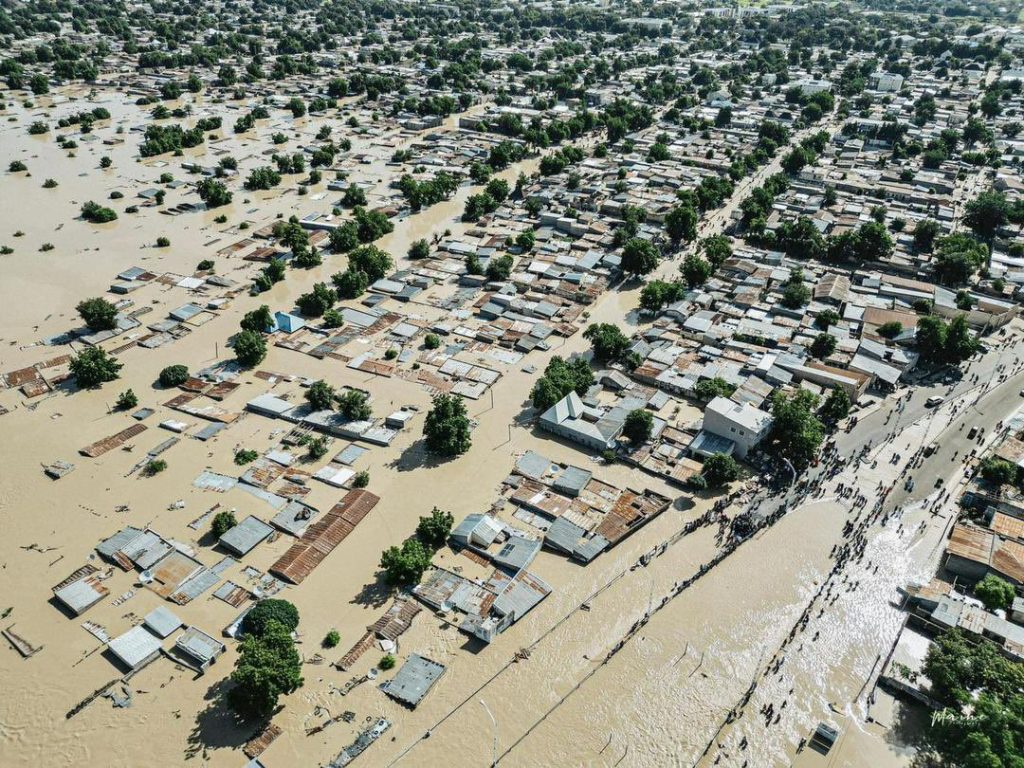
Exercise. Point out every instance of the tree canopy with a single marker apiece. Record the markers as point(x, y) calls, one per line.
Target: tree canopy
point(447, 426)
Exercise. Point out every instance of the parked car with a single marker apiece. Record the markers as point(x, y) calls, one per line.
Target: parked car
point(933, 401)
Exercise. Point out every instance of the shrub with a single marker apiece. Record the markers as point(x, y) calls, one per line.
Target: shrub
point(173, 376)
point(331, 639)
point(154, 467)
point(432, 341)
point(361, 480)
point(223, 522)
point(17, 166)
point(245, 456)
point(163, 242)
point(126, 400)
point(387, 661)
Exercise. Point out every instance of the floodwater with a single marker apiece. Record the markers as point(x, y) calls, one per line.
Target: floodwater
point(659, 701)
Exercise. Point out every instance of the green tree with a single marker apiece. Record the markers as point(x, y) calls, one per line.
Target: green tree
point(320, 395)
point(999, 471)
point(719, 469)
point(257, 320)
point(350, 284)
point(607, 342)
point(213, 193)
point(931, 339)
point(173, 376)
point(372, 261)
point(404, 566)
point(836, 406)
point(98, 313)
point(639, 256)
point(994, 592)
point(708, 389)
point(925, 232)
point(93, 366)
point(986, 213)
point(796, 432)
point(826, 318)
point(499, 268)
point(638, 426)
point(433, 530)
point(696, 270)
point(420, 249)
point(250, 348)
point(960, 342)
point(891, 329)
point(268, 666)
point(447, 426)
point(317, 301)
point(717, 250)
point(257, 621)
point(657, 293)
point(794, 293)
point(681, 224)
point(958, 257)
point(354, 405)
point(559, 379)
point(223, 522)
point(824, 344)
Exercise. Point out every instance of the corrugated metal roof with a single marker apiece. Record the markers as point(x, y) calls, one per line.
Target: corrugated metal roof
point(135, 646)
point(414, 680)
point(324, 535)
point(244, 537)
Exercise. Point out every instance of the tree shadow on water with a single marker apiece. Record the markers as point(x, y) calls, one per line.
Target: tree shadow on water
point(375, 594)
point(416, 456)
point(218, 726)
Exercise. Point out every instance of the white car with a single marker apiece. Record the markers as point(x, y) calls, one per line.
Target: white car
point(933, 401)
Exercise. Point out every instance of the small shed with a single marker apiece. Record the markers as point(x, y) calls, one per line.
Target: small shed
point(287, 322)
point(244, 537)
point(135, 647)
point(414, 680)
point(162, 622)
point(199, 647)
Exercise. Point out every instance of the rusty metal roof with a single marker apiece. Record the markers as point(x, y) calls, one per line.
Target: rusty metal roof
point(323, 536)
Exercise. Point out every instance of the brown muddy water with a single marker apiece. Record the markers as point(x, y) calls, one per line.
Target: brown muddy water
point(657, 702)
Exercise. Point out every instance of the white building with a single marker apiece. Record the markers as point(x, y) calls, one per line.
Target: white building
point(887, 81)
point(740, 423)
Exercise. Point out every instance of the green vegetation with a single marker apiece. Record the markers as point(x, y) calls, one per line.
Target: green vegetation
point(154, 467)
point(433, 530)
point(941, 343)
point(995, 592)
point(126, 400)
point(250, 348)
point(354, 404)
point(387, 661)
point(796, 432)
point(331, 639)
point(174, 376)
point(720, 469)
point(268, 665)
point(93, 367)
point(320, 395)
point(607, 342)
point(96, 213)
point(404, 566)
point(447, 426)
point(223, 522)
point(559, 379)
point(245, 456)
point(638, 426)
point(976, 678)
point(708, 389)
point(98, 314)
